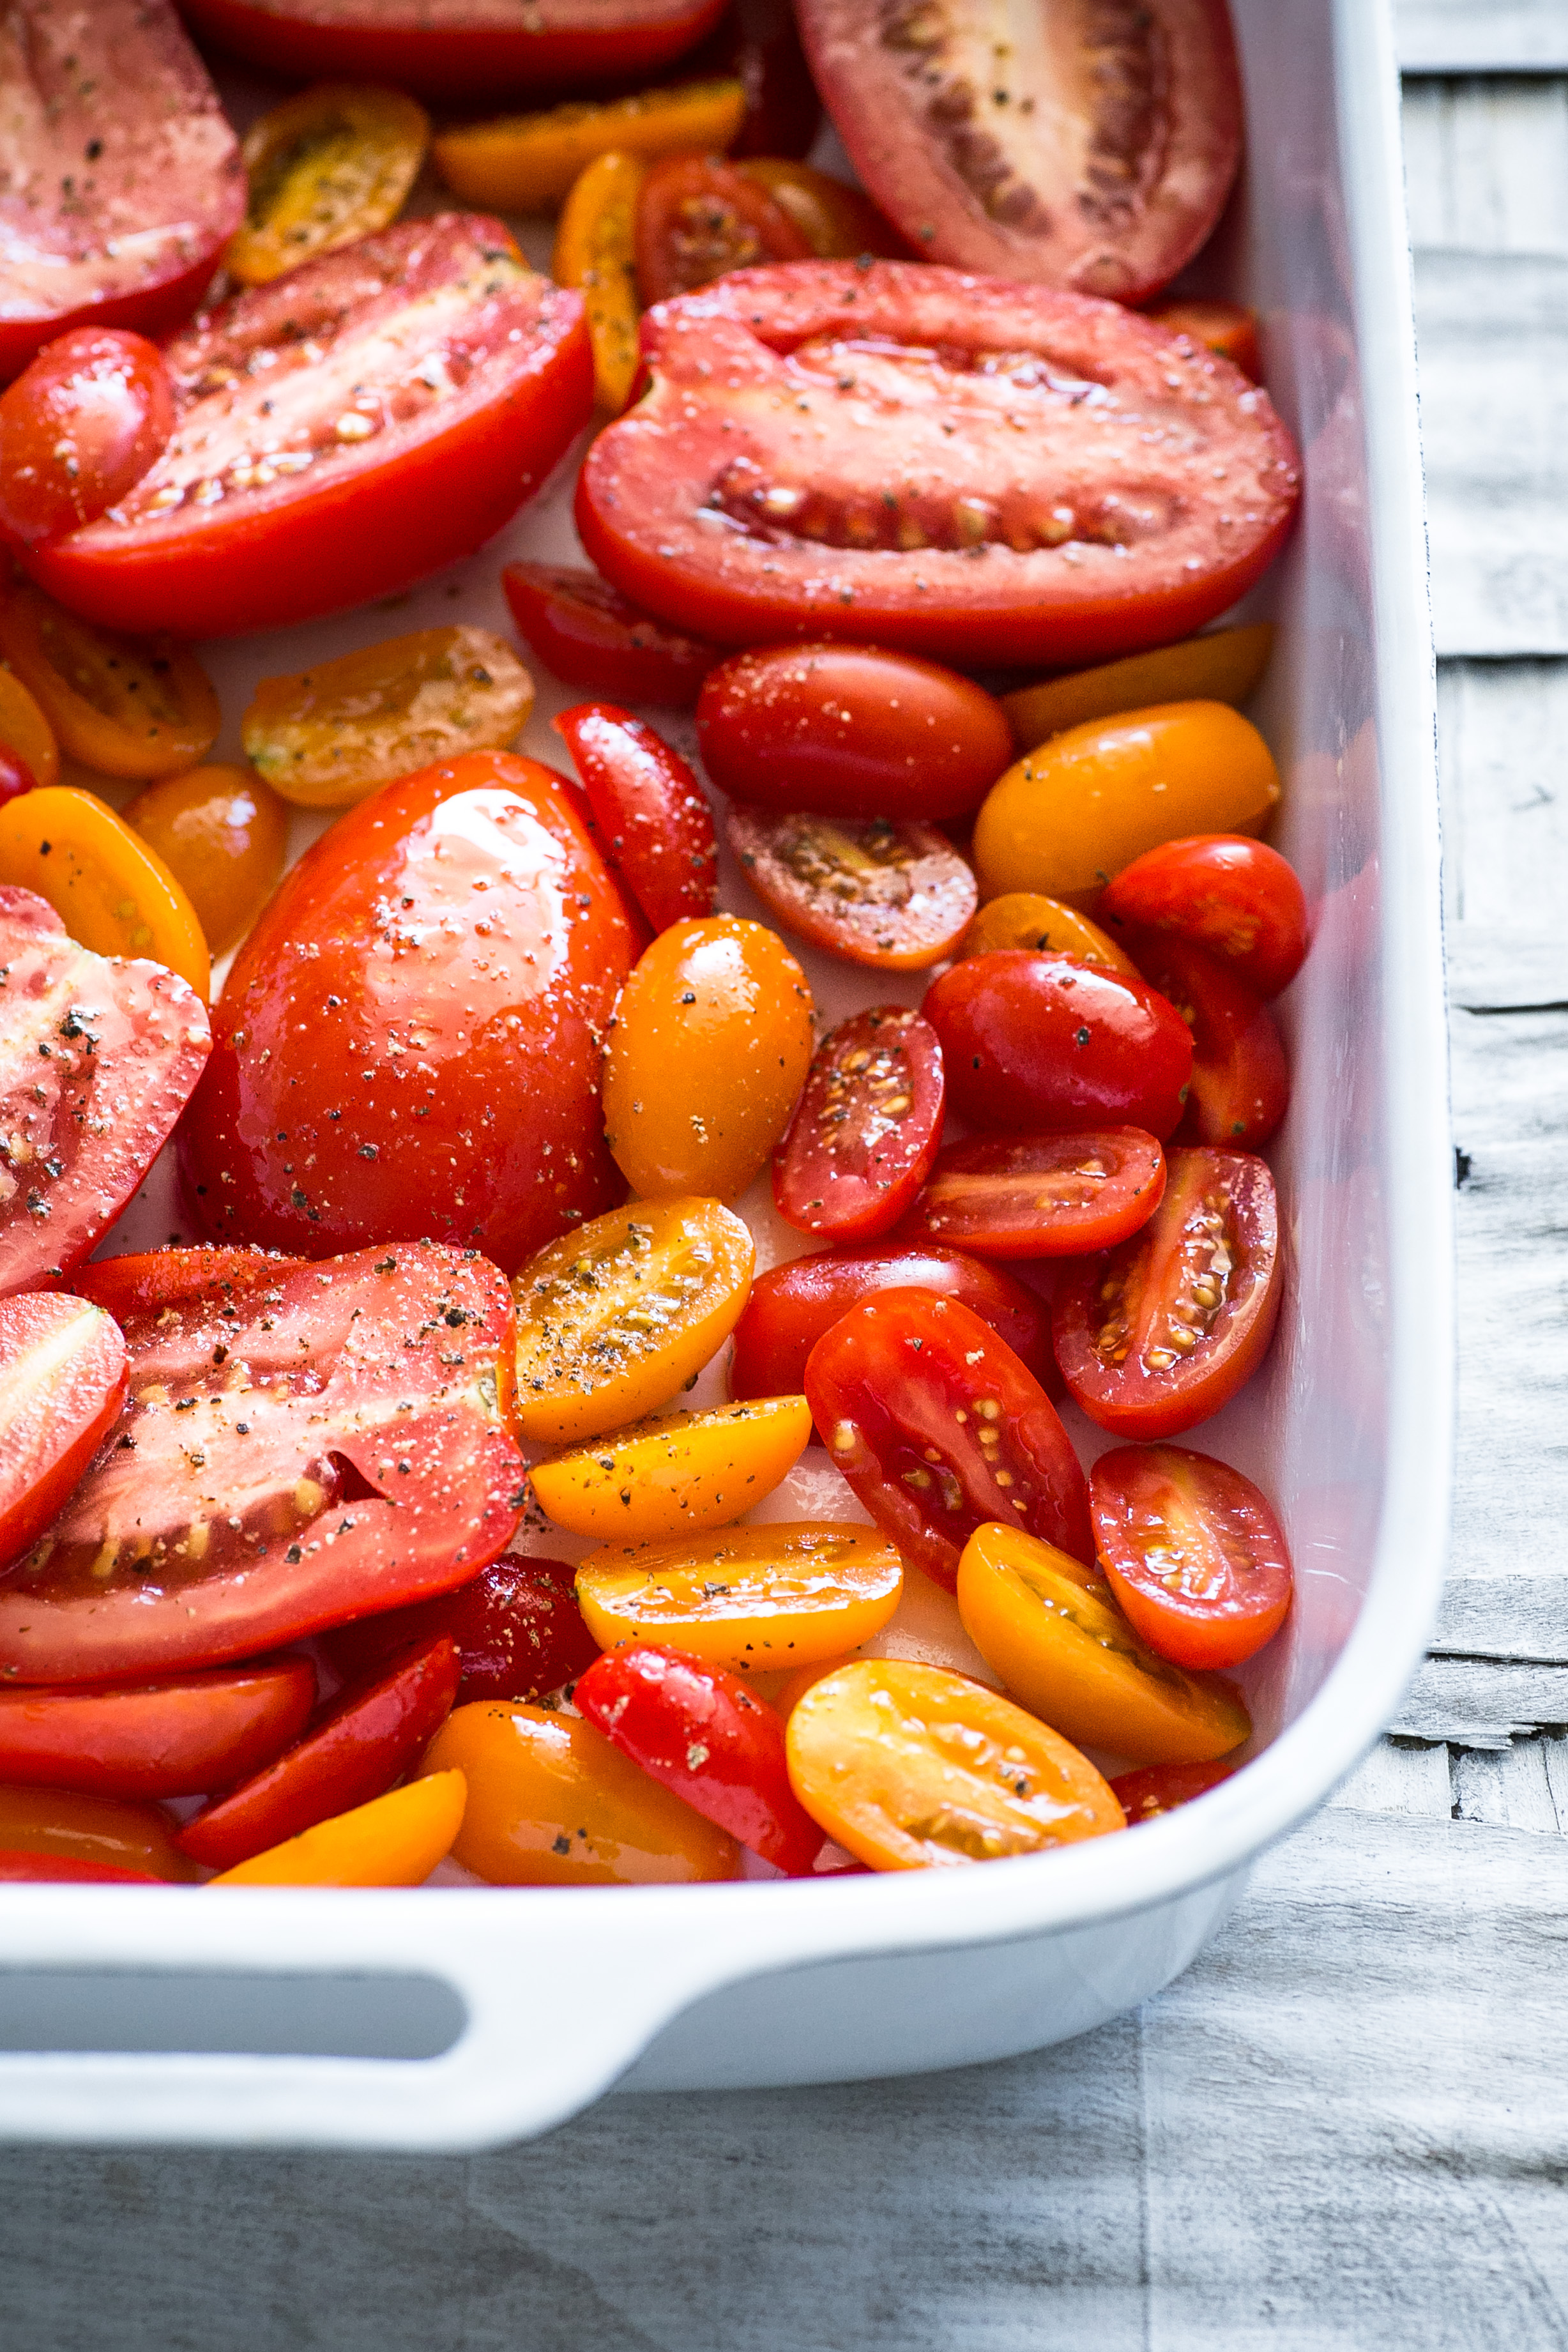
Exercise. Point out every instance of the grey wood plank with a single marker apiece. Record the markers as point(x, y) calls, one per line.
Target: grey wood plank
point(1485, 37)
point(1486, 165)
point(1508, 1788)
point(1483, 1702)
point(1402, 1777)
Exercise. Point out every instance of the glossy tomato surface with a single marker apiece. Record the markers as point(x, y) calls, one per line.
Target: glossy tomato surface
point(698, 218)
point(156, 1739)
point(517, 1627)
point(408, 1041)
point(591, 635)
point(892, 897)
point(62, 1383)
point(1161, 1787)
point(1240, 1085)
point(337, 433)
point(1193, 1550)
point(1041, 1195)
point(79, 427)
point(1237, 900)
point(827, 447)
point(866, 1128)
point(758, 42)
point(654, 820)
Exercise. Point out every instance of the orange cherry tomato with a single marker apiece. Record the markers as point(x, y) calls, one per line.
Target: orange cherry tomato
point(118, 1831)
point(1022, 918)
point(838, 222)
point(527, 163)
point(913, 1767)
point(686, 1470)
point(329, 165)
point(394, 1841)
point(1222, 327)
point(595, 251)
point(79, 428)
point(554, 1803)
point(753, 1599)
point(1223, 666)
point(708, 1051)
point(222, 834)
point(25, 730)
point(125, 706)
point(112, 892)
point(697, 219)
point(893, 896)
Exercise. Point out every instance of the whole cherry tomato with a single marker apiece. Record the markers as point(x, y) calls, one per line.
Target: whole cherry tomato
point(1161, 1787)
point(1041, 1195)
point(1034, 1042)
point(697, 219)
point(62, 1382)
point(653, 820)
point(1194, 1552)
point(1240, 1085)
point(517, 1627)
point(894, 898)
point(79, 428)
point(591, 635)
point(159, 1740)
point(866, 1128)
point(222, 833)
point(1239, 900)
point(329, 166)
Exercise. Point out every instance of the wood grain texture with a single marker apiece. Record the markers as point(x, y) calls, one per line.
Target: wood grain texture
point(1487, 37)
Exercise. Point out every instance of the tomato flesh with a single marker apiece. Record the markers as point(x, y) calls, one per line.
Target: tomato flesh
point(1237, 900)
point(1240, 1085)
point(866, 1128)
point(654, 822)
point(1195, 1554)
point(161, 1739)
point(890, 897)
point(517, 1627)
point(62, 1382)
point(1041, 1195)
point(697, 219)
point(591, 635)
point(79, 428)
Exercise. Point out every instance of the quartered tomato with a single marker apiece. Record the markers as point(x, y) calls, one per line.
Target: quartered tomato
point(77, 428)
point(911, 457)
point(1161, 1787)
point(836, 220)
point(328, 167)
point(1240, 1085)
point(1036, 1042)
point(1222, 327)
point(408, 1042)
point(1239, 900)
point(109, 886)
point(1223, 666)
point(1023, 919)
point(517, 1627)
point(87, 1836)
point(125, 706)
point(124, 179)
point(99, 1058)
point(595, 252)
point(866, 1128)
point(652, 818)
point(591, 635)
point(894, 898)
point(302, 1444)
point(222, 834)
point(156, 1739)
point(750, 1599)
point(698, 218)
point(1160, 1333)
point(528, 163)
point(62, 1383)
point(938, 1426)
point(339, 433)
point(1041, 1195)
point(394, 1841)
point(1195, 1554)
point(655, 1478)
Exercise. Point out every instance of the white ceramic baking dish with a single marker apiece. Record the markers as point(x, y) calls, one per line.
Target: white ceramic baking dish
point(462, 2017)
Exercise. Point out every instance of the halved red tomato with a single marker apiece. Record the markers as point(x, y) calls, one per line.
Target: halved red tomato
point(1161, 1332)
point(1239, 900)
point(1159, 1788)
point(866, 1128)
point(80, 427)
point(654, 822)
point(894, 897)
point(1041, 1195)
point(302, 1444)
point(698, 218)
point(1038, 1042)
point(62, 1383)
point(156, 1739)
point(910, 457)
point(517, 1628)
point(354, 424)
point(123, 179)
point(1194, 1552)
point(592, 635)
point(1240, 1085)
point(1091, 148)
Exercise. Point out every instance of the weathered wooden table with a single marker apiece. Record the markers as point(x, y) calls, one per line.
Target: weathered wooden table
point(1348, 2125)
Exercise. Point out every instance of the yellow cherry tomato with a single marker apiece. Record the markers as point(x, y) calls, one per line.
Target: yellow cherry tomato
point(222, 834)
point(333, 734)
point(1024, 919)
point(394, 1841)
point(330, 164)
point(614, 1318)
point(25, 730)
point(708, 1053)
point(1223, 667)
point(126, 1835)
point(910, 1767)
point(123, 706)
point(552, 1802)
point(596, 252)
point(1075, 811)
point(685, 1470)
point(754, 1599)
point(112, 893)
point(1052, 1630)
point(527, 163)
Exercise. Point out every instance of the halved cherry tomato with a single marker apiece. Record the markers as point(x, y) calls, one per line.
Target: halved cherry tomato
point(1057, 1639)
point(653, 819)
point(408, 1041)
point(700, 1732)
point(697, 219)
point(1239, 900)
point(125, 176)
point(341, 432)
point(79, 427)
point(757, 41)
point(1022, 918)
point(1240, 1085)
point(100, 1060)
point(62, 1382)
point(836, 220)
point(122, 706)
point(222, 834)
point(1035, 1041)
point(517, 1626)
point(302, 1444)
point(825, 448)
point(110, 887)
point(595, 252)
point(157, 1739)
point(938, 1427)
point(329, 165)
point(1222, 667)
point(394, 1841)
point(527, 163)
point(754, 1599)
point(685, 1470)
point(25, 732)
point(894, 898)
point(554, 1803)
point(910, 1767)
point(1194, 1553)
point(792, 1305)
point(865, 1131)
point(709, 1049)
point(35, 1869)
point(1041, 1195)
point(359, 1746)
point(92, 1834)
point(591, 635)
point(1222, 327)
point(614, 1318)
point(1159, 1334)
point(850, 732)
point(1160, 1787)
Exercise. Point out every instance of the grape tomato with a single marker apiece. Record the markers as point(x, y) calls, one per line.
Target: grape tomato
point(866, 1128)
point(595, 253)
point(89, 1834)
point(1194, 1553)
point(1222, 327)
point(79, 427)
point(62, 1381)
point(836, 220)
point(649, 1481)
point(698, 218)
point(156, 1739)
point(109, 886)
point(591, 635)
point(394, 1841)
point(652, 818)
point(25, 733)
point(1237, 900)
point(516, 1626)
point(222, 834)
point(1040, 1195)
point(754, 1599)
point(1240, 1085)
point(329, 165)
point(1022, 918)
point(890, 897)
point(1221, 665)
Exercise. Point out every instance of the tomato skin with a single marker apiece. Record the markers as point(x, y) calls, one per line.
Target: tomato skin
point(1036, 1042)
point(107, 883)
point(16, 776)
point(1240, 1087)
point(838, 222)
point(62, 1382)
point(890, 897)
point(850, 732)
point(165, 1740)
point(39, 1869)
point(222, 833)
point(1221, 665)
point(329, 165)
point(394, 1841)
point(654, 820)
point(759, 41)
point(77, 428)
point(1041, 1195)
point(697, 1728)
point(517, 1627)
point(85, 1833)
point(1023, 919)
point(886, 1387)
point(866, 1128)
point(592, 635)
point(1159, 1788)
point(750, 1599)
point(1194, 1553)
point(697, 219)
point(1237, 900)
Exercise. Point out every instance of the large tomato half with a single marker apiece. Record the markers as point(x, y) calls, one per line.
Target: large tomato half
point(954, 465)
point(408, 1043)
point(353, 425)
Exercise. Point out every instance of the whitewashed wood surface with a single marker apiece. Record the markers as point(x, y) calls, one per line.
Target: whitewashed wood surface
point(1347, 2127)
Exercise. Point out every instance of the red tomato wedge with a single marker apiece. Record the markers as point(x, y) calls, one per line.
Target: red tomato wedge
point(592, 635)
point(1161, 1331)
point(1240, 1085)
point(653, 819)
point(894, 898)
point(1239, 900)
point(517, 1625)
point(98, 1058)
point(697, 218)
point(364, 1741)
point(1159, 1788)
point(1087, 147)
point(1041, 1195)
point(1194, 1552)
point(41, 1869)
point(157, 1739)
point(62, 1383)
point(906, 456)
point(938, 1427)
point(123, 179)
point(347, 428)
point(302, 1444)
point(79, 428)
point(866, 1128)
point(409, 1042)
